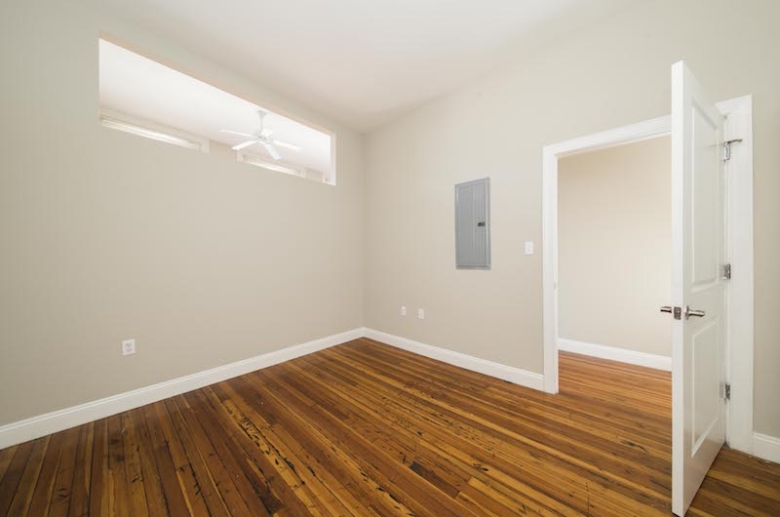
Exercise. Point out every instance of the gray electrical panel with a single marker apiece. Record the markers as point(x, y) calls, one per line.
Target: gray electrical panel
point(472, 224)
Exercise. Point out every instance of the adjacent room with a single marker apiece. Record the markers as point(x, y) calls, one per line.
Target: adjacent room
point(433, 258)
point(614, 244)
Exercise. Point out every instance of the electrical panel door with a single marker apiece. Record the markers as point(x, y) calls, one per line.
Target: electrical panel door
point(472, 224)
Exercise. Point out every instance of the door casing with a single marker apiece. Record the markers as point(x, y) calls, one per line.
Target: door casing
point(739, 253)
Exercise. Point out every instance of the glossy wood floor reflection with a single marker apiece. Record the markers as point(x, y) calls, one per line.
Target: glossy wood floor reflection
point(366, 429)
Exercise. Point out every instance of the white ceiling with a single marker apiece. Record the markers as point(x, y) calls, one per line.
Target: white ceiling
point(361, 62)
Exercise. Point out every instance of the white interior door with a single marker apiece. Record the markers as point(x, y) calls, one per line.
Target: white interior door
point(698, 411)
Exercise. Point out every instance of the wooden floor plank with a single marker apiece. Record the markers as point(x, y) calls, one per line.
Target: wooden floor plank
point(24, 492)
point(205, 482)
point(563, 441)
point(133, 474)
point(403, 440)
point(262, 469)
point(366, 429)
point(354, 433)
point(118, 491)
point(241, 499)
point(419, 496)
point(82, 474)
point(257, 413)
point(474, 423)
point(13, 475)
point(330, 454)
point(6, 455)
point(99, 486)
point(157, 463)
point(208, 465)
point(44, 488)
point(161, 427)
point(63, 485)
point(147, 474)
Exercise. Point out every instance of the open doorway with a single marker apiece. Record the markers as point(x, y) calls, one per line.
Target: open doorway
point(739, 252)
point(696, 154)
point(614, 244)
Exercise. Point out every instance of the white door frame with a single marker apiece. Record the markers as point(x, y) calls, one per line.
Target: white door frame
point(739, 252)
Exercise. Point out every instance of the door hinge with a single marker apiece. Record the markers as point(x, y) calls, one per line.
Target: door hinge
point(727, 391)
point(726, 271)
point(727, 148)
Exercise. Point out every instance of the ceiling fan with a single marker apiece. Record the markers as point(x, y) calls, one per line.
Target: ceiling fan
point(263, 137)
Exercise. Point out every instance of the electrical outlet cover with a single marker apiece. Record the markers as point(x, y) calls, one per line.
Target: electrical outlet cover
point(128, 346)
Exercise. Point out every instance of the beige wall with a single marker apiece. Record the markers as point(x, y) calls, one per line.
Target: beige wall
point(614, 73)
point(614, 246)
point(107, 236)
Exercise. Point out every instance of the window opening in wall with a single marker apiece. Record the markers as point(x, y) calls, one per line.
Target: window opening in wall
point(148, 129)
point(146, 98)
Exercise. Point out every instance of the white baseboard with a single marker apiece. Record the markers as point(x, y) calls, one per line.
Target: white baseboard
point(658, 362)
point(500, 371)
point(42, 425)
point(766, 447)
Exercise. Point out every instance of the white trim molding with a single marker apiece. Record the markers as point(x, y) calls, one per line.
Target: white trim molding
point(550, 154)
point(475, 364)
point(119, 121)
point(42, 425)
point(766, 447)
point(739, 291)
point(623, 355)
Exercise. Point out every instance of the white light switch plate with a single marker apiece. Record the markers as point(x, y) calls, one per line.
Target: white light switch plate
point(529, 247)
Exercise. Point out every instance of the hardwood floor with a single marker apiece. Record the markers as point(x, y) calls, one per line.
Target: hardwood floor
point(366, 429)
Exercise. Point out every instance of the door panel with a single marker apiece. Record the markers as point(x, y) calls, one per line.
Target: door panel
point(705, 205)
point(705, 383)
point(698, 430)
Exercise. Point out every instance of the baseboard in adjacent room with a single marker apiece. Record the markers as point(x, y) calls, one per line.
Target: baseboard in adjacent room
point(42, 425)
point(658, 362)
point(766, 447)
point(501, 371)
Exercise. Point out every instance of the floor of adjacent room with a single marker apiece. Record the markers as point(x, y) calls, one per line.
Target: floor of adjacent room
point(368, 429)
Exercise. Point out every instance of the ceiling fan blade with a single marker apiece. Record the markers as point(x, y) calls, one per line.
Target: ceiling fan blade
point(285, 144)
point(271, 150)
point(245, 144)
point(239, 133)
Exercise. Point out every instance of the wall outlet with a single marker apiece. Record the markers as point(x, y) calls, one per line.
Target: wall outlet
point(128, 347)
point(529, 247)
point(402, 310)
point(421, 314)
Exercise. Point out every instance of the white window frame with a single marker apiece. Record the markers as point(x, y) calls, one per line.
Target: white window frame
point(120, 121)
point(298, 171)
